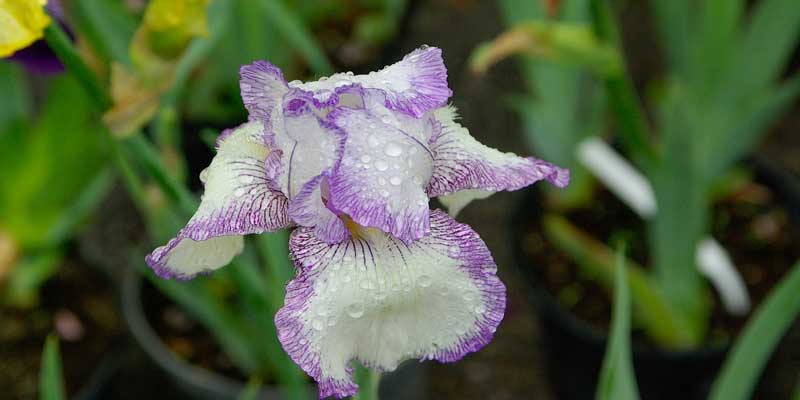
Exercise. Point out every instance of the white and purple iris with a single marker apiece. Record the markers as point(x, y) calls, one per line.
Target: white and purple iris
point(352, 161)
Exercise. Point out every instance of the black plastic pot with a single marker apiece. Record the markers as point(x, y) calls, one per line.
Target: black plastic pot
point(406, 383)
point(575, 349)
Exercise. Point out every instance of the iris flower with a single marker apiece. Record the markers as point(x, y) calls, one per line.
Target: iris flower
point(351, 161)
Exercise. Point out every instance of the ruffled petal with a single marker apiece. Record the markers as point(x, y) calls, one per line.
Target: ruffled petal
point(308, 208)
point(381, 179)
point(461, 163)
point(313, 146)
point(414, 85)
point(263, 87)
point(240, 198)
point(184, 258)
point(380, 301)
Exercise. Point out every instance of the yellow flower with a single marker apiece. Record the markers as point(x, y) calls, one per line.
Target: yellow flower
point(22, 22)
point(171, 24)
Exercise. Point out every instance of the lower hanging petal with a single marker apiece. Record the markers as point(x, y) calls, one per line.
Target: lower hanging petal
point(462, 163)
point(241, 197)
point(375, 299)
point(184, 258)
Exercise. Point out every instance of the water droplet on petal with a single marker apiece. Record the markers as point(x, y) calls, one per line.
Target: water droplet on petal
point(424, 280)
point(381, 165)
point(393, 150)
point(396, 180)
point(381, 181)
point(317, 324)
point(239, 192)
point(355, 310)
point(379, 294)
point(366, 158)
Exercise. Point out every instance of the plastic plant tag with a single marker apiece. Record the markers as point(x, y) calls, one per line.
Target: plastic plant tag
point(632, 188)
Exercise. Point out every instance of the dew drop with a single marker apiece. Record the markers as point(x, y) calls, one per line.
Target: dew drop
point(366, 158)
point(239, 192)
point(424, 280)
point(468, 296)
point(382, 181)
point(379, 294)
point(373, 141)
point(366, 284)
point(381, 165)
point(317, 324)
point(480, 309)
point(393, 150)
point(396, 180)
point(246, 179)
point(355, 310)
point(454, 250)
point(385, 193)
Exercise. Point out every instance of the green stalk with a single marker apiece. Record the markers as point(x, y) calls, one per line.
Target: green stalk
point(60, 43)
point(368, 383)
point(623, 100)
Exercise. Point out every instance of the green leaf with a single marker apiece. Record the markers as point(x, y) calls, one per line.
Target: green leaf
point(51, 380)
point(17, 102)
point(617, 380)
point(297, 35)
point(596, 260)
point(28, 276)
point(250, 391)
point(763, 331)
point(767, 44)
point(106, 25)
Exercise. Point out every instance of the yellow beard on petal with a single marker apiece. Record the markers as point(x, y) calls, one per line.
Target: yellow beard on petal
point(356, 230)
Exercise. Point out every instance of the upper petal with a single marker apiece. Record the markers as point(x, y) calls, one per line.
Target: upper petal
point(240, 198)
point(461, 163)
point(380, 301)
point(263, 87)
point(413, 85)
point(381, 179)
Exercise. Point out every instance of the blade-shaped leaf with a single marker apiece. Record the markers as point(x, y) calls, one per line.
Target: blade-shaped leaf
point(106, 25)
point(296, 34)
point(51, 379)
point(617, 381)
point(752, 349)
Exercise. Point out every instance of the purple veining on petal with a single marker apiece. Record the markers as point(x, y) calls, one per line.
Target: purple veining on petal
point(262, 88)
point(240, 195)
point(308, 208)
point(426, 82)
point(463, 163)
point(306, 133)
point(306, 338)
point(380, 181)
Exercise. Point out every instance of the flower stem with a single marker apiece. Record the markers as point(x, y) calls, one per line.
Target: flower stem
point(60, 43)
point(368, 383)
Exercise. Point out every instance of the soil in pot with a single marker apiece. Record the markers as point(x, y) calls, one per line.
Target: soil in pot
point(185, 337)
point(79, 305)
point(753, 224)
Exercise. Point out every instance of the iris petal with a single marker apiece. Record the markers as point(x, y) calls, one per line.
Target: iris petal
point(380, 301)
point(240, 198)
point(462, 163)
point(381, 179)
point(414, 85)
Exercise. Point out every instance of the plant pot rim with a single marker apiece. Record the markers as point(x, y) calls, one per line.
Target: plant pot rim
point(191, 377)
point(785, 186)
